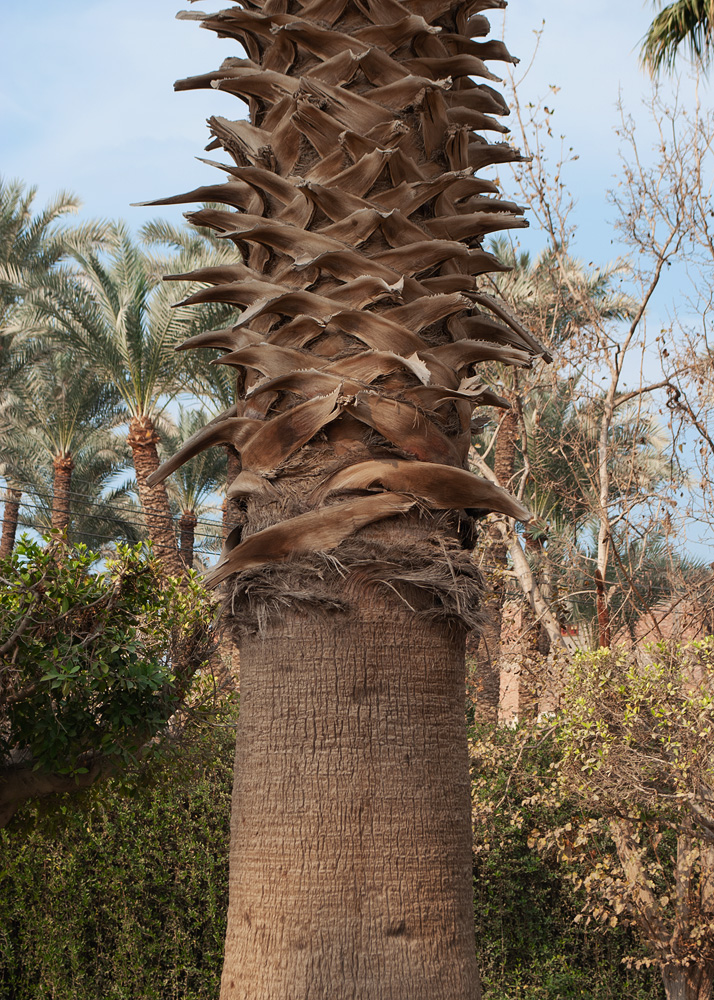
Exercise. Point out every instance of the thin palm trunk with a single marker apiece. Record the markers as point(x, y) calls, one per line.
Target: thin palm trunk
point(187, 533)
point(142, 440)
point(11, 514)
point(63, 466)
point(488, 685)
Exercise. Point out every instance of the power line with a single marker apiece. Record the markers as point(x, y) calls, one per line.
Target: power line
point(99, 517)
point(33, 492)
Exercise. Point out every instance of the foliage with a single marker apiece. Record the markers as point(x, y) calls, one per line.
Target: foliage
point(128, 886)
point(94, 663)
point(636, 757)
point(123, 896)
point(684, 24)
point(529, 942)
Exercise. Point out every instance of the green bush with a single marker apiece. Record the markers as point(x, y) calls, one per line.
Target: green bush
point(525, 904)
point(120, 892)
point(93, 663)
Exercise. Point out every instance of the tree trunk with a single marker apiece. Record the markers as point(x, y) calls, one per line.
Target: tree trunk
point(62, 492)
point(187, 532)
point(154, 500)
point(603, 611)
point(362, 221)
point(350, 844)
point(488, 656)
point(688, 982)
point(11, 513)
point(231, 509)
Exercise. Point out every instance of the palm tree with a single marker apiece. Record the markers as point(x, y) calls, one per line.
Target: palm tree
point(31, 245)
point(112, 310)
point(216, 385)
point(684, 24)
point(192, 489)
point(353, 199)
point(60, 414)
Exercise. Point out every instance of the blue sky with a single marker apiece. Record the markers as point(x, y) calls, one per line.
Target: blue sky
point(86, 99)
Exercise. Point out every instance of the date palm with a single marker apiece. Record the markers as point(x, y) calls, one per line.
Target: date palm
point(682, 25)
point(352, 196)
point(61, 412)
point(193, 489)
point(31, 245)
point(114, 312)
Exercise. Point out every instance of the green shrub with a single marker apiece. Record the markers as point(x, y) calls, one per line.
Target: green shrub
point(121, 893)
point(525, 904)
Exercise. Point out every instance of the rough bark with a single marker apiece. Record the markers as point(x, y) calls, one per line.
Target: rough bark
point(62, 492)
point(688, 982)
point(232, 513)
point(495, 566)
point(11, 513)
point(142, 440)
point(350, 847)
point(187, 533)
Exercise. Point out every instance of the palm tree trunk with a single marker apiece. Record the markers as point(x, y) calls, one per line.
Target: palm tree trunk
point(11, 512)
point(142, 440)
point(231, 509)
point(350, 843)
point(187, 530)
point(62, 492)
point(363, 223)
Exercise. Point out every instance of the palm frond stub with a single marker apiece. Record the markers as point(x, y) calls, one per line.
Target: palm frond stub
point(354, 200)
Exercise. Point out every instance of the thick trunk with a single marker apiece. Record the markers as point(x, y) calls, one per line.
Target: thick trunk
point(11, 513)
point(62, 492)
point(350, 849)
point(154, 500)
point(351, 853)
point(187, 534)
point(688, 982)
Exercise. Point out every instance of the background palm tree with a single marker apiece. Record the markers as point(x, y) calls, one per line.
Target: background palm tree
point(113, 311)
point(684, 24)
point(63, 414)
point(31, 245)
point(194, 487)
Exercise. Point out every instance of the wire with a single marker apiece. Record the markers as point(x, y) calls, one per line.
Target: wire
point(206, 522)
point(88, 496)
point(100, 517)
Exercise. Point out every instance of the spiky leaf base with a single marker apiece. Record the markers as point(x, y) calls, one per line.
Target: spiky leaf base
point(354, 202)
